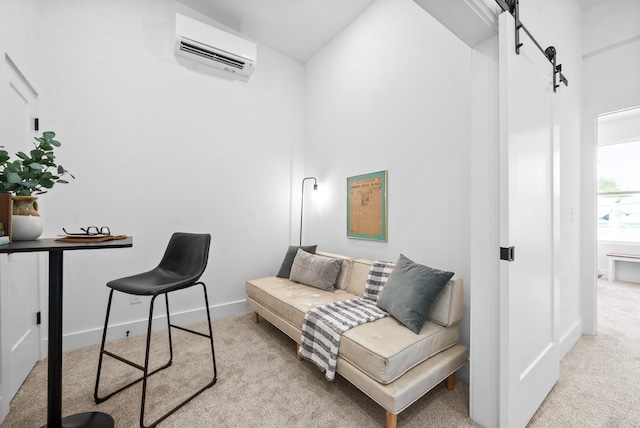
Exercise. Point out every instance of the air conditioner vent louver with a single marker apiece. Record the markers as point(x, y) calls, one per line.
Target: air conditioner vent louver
point(213, 51)
point(214, 56)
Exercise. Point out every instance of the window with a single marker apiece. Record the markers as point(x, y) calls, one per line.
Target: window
point(619, 192)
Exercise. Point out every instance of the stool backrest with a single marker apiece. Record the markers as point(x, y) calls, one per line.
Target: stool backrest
point(187, 255)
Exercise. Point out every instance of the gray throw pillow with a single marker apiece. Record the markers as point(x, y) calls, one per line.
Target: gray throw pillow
point(285, 267)
point(316, 271)
point(410, 292)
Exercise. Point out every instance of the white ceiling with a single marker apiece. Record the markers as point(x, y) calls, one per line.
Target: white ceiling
point(296, 28)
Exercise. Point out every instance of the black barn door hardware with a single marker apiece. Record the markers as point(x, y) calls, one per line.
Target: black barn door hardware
point(513, 7)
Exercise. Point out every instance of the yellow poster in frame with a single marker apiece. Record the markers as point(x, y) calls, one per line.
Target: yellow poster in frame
point(367, 206)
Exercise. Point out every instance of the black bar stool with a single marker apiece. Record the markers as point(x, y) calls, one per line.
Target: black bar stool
point(184, 261)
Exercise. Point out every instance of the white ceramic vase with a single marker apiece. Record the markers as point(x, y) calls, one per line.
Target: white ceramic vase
point(26, 223)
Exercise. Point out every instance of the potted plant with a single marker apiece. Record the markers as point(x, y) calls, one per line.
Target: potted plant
point(27, 176)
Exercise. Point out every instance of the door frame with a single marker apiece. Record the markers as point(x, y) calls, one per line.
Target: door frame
point(11, 72)
point(589, 196)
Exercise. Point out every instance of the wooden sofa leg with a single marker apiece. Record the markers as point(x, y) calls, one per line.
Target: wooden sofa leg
point(256, 317)
point(298, 357)
point(392, 420)
point(451, 382)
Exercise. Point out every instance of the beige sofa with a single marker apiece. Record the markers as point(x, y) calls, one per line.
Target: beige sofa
point(384, 359)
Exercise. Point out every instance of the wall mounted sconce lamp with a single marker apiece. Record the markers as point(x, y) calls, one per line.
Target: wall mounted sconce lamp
point(315, 187)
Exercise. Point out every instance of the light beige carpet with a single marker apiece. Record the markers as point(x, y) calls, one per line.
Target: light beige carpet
point(261, 384)
point(599, 383)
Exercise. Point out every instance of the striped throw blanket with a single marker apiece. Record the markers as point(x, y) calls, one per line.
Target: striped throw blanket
point(377, 278)
point(323, 327)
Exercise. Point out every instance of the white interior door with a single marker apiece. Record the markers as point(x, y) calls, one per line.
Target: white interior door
point(19, 273)
point(529, 357)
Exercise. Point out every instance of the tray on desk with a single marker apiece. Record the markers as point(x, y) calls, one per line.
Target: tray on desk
point(89, 238)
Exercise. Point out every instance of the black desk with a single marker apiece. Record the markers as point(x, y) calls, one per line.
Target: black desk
point(54, 383)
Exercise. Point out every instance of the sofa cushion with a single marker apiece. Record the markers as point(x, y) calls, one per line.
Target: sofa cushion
point(385, 350)
point(410, 292)
point(448, 309)
point(289, 299)
point(290, 255)
point(357, 280)
point(344, 277)
point(316, 271)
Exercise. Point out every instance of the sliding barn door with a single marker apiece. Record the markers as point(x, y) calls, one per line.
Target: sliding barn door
point(529, 357)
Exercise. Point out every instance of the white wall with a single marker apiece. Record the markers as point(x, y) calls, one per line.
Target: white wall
point(19, 36)
point(156, 148)
point(392, 92)
point(611, 60)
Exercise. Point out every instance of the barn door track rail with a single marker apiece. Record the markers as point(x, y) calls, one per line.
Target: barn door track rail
point(513, 7)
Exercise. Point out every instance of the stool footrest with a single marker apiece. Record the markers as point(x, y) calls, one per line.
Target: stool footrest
point(191, 331)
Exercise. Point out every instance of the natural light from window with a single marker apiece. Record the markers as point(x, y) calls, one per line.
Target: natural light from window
point(619, 192)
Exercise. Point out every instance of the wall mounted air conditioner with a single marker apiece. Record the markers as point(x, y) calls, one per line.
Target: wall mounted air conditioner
point(198, 44)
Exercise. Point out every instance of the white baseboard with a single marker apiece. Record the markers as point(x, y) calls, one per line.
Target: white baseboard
point(82, 339)
point(570, 338)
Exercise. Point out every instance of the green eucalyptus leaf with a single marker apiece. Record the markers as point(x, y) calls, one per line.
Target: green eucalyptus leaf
point(48, 135)
point(13, 177)
point(62, 181)
point(22, 155)
point(55, 143)
point(46, 183)
point(37, 153)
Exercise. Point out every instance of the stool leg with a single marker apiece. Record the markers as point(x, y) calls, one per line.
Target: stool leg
point(146, 361)
point(104, 338)
point(166, 300)
point(146, 364)
point(213, 355)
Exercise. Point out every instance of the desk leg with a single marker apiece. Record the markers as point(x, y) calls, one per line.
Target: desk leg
point(54, 383)
point(54, 408)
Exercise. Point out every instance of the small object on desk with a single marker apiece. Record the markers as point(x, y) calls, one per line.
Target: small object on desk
point(78, 238)
point(4, 240)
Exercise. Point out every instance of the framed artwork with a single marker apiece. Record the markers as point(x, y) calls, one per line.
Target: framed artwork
point(367, 206)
